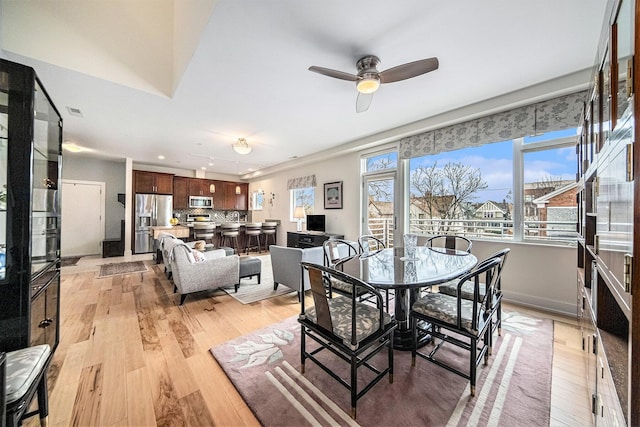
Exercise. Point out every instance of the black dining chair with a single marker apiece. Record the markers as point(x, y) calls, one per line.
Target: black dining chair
point(452, 242)
point(351, 330)
point(451, 288)
point(465, 323)
point(368, 244)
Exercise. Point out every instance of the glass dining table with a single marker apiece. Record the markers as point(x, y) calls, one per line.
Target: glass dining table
point(392, 269)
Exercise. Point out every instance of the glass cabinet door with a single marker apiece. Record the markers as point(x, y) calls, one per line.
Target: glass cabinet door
point(4, 146)
point(45, 207)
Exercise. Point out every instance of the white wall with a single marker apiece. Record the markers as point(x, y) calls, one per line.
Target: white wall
point(541, 276)
point(341, 221)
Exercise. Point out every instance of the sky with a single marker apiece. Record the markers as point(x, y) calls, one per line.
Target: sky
point(495, 162)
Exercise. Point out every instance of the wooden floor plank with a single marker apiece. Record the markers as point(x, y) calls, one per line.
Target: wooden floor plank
point(130, 355)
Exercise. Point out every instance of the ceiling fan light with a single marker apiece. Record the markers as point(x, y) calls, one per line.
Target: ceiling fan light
point(368, 85)
point(241, 146)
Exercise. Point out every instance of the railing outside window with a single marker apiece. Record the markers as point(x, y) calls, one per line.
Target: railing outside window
point(555, 231)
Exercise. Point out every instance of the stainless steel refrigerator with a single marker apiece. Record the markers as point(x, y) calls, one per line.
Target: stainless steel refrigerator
point(151, 210)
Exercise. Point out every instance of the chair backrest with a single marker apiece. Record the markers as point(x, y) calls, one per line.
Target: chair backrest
point(368, 243)
point(502, 254)
point(230, 229)
point(337, 251)
point(320, 276)
point(204, 231)
point(450, 242)
point(269, 227)
point(253, 228)
point(486, 272)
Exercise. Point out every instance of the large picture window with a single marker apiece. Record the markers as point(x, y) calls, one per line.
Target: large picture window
point(471, 191)
point(458, 191)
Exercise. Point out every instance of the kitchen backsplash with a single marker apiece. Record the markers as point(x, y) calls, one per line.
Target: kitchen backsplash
point(218, 216)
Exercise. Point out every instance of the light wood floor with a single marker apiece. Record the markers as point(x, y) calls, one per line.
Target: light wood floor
point(130, 355)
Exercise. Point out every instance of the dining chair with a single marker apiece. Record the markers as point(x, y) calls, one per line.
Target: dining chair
point(351, 330)
point(336, 252)
point(467, 289)
point(448, 241)
point(458, 321)
point(368, 243)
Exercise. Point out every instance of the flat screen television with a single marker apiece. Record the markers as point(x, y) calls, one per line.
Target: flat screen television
point(316, 223)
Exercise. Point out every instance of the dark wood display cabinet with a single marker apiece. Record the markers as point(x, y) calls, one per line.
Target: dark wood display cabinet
point(30, 173)
point(608, 257)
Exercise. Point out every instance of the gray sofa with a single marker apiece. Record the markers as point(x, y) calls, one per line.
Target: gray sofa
point(217, 270)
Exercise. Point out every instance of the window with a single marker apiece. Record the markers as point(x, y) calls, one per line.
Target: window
point(471, 191)
point(453, 192)
point(304, 197)
point(550, 210)
point(381, 162)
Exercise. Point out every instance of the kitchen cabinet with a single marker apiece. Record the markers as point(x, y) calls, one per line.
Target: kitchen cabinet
point(152, 182)
point(200, 187)
point(233, 200)
point(608, 246)
point(30, 173)
point(181, 192)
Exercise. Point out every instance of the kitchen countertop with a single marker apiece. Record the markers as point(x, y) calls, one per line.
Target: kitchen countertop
point(179, 231)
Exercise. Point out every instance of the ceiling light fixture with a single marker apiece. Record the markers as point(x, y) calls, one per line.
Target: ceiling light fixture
point(369, 83)
point(241, 146)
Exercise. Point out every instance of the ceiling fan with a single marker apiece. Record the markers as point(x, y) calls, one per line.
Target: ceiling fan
point(369, 78)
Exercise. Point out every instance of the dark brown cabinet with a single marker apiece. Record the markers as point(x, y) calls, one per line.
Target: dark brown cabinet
point(180, 192)
point(30, 171)
point(152, 182)
point(235, 196)
point(201, 187)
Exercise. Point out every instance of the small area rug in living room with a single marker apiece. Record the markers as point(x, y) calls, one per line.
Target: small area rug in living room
point(250, 291)
point(514, 389)
point(115, 269)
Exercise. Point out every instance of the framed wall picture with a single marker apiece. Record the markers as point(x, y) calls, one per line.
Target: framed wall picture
point(333, 195)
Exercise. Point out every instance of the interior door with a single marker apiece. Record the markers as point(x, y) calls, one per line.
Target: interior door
point(379, 213)
point(82, 218)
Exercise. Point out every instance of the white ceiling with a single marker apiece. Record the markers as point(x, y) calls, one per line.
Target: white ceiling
point(178, 78)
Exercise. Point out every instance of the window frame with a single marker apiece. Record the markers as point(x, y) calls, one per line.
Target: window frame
point(293, 205)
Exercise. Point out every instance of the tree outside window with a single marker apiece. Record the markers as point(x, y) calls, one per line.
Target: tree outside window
point(304, 197)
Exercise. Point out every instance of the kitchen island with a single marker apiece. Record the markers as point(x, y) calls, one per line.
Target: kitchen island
point(180, 231)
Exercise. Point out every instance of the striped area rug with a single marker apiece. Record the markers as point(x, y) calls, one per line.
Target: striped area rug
point(514, 389)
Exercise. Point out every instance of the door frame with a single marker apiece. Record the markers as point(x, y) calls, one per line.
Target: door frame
point(103, 196)
point(374, 176)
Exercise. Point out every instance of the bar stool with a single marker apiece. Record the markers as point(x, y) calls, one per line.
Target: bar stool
point(204, 232)
point(269, 231)
point(252, 230)
point(26, 372)
point(230, 233)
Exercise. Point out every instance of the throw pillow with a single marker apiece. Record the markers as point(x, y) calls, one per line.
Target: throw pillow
point(198, 256)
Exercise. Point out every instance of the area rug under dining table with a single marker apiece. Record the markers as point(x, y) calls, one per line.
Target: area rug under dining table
point(514, 389)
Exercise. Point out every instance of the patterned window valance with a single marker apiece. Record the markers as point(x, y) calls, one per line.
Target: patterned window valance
point(555, 114)
point(301, 182)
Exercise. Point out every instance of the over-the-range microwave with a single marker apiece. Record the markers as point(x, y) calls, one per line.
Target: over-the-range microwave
point(201, 202)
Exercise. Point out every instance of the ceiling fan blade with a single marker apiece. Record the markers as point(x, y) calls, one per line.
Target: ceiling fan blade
point(334, 73)
point(363, 101)
point(408, 70)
